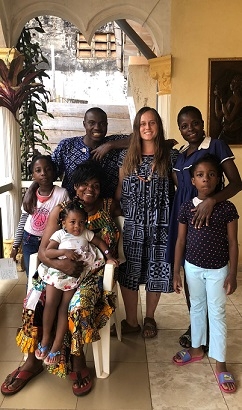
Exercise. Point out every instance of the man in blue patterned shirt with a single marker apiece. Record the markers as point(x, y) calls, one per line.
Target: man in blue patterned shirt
point(70, 152)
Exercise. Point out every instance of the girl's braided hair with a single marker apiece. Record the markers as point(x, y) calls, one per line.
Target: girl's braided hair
point(74, 205)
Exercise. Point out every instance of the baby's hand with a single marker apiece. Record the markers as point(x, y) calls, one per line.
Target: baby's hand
point(71, 254)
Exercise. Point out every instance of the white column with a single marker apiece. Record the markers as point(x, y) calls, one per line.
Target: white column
point(160, 70)
point(10, 170)
point(164, 106)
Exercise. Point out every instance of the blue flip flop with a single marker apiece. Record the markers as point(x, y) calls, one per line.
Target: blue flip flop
point(52, 355)
point(43, 352)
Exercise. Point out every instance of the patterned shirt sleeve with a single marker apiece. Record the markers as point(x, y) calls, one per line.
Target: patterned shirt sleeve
point(20, 230)
point(58, 158)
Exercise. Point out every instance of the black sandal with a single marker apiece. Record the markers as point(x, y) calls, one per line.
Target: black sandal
point(185, 340)
point(126, 329)
point(150, 328)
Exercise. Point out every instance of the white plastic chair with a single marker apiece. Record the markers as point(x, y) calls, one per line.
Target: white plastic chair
point(101, 348)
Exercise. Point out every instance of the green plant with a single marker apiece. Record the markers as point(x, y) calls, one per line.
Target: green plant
point(17, 85)
point(20, 89)
point(32, 135)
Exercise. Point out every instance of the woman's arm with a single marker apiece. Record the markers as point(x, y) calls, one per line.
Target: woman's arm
point(99, 243)
point(203, 211)
point(174, 178)
point(68, 266)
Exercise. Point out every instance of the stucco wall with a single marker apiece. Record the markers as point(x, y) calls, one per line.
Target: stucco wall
point(201, 30)
point(96, 81)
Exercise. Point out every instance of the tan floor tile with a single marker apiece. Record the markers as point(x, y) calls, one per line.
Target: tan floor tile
point(6, 286)
point(2, 299)
point(236, 297)
point(121, 390)
point(171, 316)
point(5, 369)
point(162, 348)
point(22, 279)
point(239, 308)
point(10, 314)
point(44, 392)
point(131, 349)
point(17, 294)
point(127, 387)
point(234, 319)
point(234, 351)
point(9, 351)
point(186, 387)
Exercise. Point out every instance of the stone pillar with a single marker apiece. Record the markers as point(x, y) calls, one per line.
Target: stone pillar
point(10, 166)
point(160, 70)
point(141, 86)
point(10, 169)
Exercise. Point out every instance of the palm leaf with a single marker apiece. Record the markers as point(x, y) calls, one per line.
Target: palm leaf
point(17, 86)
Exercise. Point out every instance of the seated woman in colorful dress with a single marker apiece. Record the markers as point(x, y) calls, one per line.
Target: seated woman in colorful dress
point(90, 307)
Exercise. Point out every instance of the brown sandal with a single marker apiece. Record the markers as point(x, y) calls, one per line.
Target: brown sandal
point(150, 328)
point(23, 376)
point(126, 328)
point(82, 382)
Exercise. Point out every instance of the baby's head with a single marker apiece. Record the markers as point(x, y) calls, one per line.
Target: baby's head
point(73, 217)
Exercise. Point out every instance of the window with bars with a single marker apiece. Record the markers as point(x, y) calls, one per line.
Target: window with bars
point(102, 46)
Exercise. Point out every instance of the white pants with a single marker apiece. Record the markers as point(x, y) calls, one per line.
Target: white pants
point(207, 294)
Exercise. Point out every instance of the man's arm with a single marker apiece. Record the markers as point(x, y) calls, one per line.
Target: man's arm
point(57, 158)
point(103, 149)
point(119, 187)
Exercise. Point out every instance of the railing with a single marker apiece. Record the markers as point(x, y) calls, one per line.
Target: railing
point(6, 187)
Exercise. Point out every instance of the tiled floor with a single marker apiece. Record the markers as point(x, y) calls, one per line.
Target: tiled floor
point(142, 377)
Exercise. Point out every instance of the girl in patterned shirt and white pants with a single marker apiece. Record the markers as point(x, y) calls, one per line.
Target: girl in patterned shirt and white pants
point(209, 277)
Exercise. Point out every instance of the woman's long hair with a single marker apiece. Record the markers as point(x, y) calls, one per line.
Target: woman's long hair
point(133, 157)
